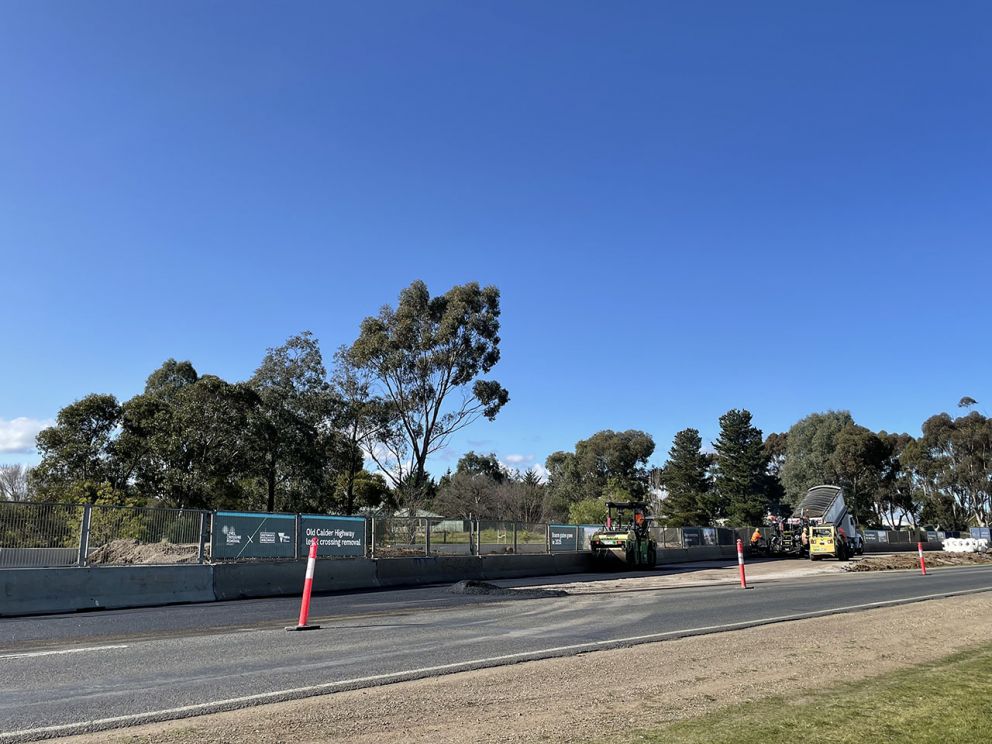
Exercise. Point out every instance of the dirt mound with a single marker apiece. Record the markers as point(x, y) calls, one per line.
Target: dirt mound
point(470, 586)
point(911, 560)
point(132, 552)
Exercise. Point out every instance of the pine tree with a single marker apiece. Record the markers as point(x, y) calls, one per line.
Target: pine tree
point(684, 477)
point(741, 465)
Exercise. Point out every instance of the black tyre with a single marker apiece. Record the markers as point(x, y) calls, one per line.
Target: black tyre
point(652, 556)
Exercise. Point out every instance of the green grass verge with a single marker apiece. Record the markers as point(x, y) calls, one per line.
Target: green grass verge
point(946, 701)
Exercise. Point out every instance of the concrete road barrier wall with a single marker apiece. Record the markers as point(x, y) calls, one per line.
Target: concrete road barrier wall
point(433, 570)
point(699, 553)
point(519, 566)
point(53, 590)
point(27, 591)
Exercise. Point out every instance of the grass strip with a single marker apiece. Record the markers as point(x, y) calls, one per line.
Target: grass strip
point(949, 700)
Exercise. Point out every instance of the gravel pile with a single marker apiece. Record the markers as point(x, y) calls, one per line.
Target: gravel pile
point(133, 552)
point(470, 586)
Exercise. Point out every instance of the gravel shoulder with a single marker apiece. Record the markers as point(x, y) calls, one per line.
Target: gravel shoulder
point(605, 694)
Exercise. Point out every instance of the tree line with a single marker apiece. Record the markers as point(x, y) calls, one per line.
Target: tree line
point(941, 478)
point(296, 436)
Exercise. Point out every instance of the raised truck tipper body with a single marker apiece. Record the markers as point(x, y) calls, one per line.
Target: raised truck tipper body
point(833, 531)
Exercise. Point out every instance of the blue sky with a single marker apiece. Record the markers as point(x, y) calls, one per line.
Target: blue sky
point(688, 207)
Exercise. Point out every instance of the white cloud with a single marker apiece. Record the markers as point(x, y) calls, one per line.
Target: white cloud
point(518, 459)
point(17, 435)
point(540, 471)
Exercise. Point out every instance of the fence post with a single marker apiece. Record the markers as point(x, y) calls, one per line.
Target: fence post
point(297, 523)
point(514, 538)
point(372, 538)
point(427, 536)
point(547, 538)
point(84, 535)
point(201, 550)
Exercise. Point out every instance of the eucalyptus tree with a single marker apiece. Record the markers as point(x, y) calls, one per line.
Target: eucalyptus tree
point(425, 359)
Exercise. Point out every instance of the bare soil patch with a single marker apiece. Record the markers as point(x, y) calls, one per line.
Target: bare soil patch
point(898, 561)
point(605, 695)
point(132, 552)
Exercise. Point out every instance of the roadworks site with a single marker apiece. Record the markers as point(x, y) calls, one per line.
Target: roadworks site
point(920, 672)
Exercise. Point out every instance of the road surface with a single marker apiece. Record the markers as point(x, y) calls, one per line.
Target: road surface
point(89, 671)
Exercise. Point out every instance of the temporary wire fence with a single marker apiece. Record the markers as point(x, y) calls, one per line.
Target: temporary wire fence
point(40, 535)
point(54, 534)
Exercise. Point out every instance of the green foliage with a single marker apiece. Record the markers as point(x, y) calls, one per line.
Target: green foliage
point(859, 462)
point(587, 511)
point(369, 491)
point(424, 359)
point(188, 439)
point(942, 701)
point(78, 461)
point(488, 465)
point(809, 451)
point(740, 469)
point(608, 462)
point(685, 478)
point(289, 436)
point(953, 463)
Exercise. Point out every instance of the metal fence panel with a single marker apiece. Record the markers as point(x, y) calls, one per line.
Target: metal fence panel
point(532, 537)
point(399, 537)
point(563, 538)
point(586, 531)
point(451, 536)
point(667, 537)
point(39, 535)
point(496, 537)
point(130, 535)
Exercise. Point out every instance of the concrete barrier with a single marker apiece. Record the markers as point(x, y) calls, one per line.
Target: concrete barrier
point(29, 591)
point(433, 570)
point(519, 566)
point(696, 553)
point(53, 590)
point(285, 578)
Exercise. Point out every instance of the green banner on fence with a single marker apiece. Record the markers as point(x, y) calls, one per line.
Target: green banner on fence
point(253, 535)
point(338, 537)
point(564, 538)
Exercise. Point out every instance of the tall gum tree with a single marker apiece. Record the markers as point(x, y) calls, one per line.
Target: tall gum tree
point(425, 358)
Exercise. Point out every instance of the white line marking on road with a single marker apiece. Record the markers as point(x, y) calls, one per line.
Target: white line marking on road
point(32, 654)
point(311, 690)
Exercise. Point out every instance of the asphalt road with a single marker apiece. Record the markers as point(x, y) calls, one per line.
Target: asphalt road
point(81, 672)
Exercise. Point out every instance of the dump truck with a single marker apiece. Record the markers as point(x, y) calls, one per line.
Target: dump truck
point(625, 540)
point(833, 531)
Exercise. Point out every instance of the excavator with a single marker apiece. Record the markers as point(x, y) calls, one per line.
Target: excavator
point(625, 539)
